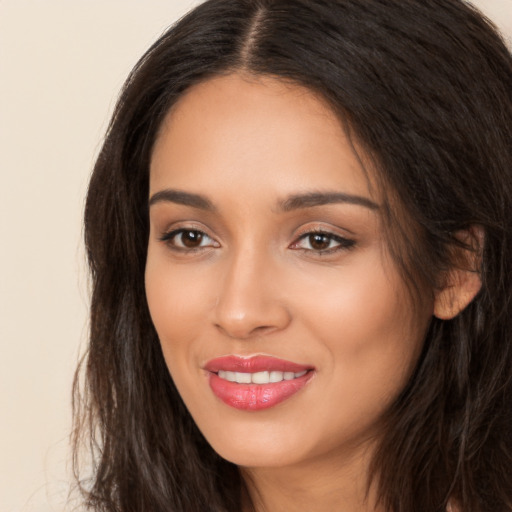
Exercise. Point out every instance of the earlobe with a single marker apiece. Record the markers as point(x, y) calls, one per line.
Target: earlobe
point(463, 282)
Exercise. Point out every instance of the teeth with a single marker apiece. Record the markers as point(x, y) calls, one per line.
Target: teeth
point(243, 378)
point(276, 376)
point(259, 377)
point(231, 376)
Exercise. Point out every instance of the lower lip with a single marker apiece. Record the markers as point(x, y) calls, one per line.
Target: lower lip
point(255, 397)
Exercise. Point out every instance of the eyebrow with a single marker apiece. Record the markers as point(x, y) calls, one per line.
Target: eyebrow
point(311, 199)
point(180, 197)
point(294, 202)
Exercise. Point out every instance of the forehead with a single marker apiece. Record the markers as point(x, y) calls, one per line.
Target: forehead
point(257, 134)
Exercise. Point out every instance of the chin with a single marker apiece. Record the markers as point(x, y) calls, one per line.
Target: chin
point(256, 455)
point(255, 442)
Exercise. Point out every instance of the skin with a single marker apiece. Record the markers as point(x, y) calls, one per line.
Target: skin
point(256, 284)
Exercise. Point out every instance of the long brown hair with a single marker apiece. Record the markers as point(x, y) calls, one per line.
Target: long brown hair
point(425, 86)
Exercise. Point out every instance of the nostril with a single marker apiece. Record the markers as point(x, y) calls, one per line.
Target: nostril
point(244, 332)
point(264, 329)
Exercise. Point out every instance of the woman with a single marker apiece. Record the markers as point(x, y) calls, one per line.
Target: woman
point(299, 233)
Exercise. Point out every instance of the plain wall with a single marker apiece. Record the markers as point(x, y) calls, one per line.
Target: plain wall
point(62, 64)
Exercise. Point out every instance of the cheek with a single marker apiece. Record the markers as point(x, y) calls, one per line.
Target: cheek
point(364, 302)
point(368, 325)
point(178, 303)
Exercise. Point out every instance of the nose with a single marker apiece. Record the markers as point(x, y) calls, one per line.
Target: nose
point(251, 300)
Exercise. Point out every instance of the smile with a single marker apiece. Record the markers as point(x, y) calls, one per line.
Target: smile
point(259, 377)
point(266, 381)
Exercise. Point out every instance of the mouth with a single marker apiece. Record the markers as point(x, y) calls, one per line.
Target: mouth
point(256, 383)
point(264, 377)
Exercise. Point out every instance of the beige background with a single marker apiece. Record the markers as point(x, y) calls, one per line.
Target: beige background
point(61, 66)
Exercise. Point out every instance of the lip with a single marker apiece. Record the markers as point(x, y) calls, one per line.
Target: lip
point(254, 364)
point(255, 397)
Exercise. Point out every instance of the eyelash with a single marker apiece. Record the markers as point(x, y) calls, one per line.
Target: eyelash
point(342, 242)
point(171, 236)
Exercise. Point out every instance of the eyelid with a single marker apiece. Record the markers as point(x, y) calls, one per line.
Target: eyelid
point(169, 235)
point(343, 242)
point(182, 225)
point(323, 228)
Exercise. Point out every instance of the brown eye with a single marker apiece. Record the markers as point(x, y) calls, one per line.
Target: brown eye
point(190, 239)
point(323, 243)
point(319, 241)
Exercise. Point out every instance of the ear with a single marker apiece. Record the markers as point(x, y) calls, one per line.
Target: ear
point(463, 281)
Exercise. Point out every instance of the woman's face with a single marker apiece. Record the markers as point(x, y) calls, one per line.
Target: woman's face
point(283, 321)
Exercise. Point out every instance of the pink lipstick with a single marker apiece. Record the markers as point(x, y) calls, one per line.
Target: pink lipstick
point(257, 382)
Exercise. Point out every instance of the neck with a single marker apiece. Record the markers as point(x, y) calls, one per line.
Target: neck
point(314, 485)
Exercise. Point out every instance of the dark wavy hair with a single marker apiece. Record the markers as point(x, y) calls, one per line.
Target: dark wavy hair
point(425, 88)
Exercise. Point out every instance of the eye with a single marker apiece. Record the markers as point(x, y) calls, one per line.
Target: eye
point(188, 239)
point(322, 242)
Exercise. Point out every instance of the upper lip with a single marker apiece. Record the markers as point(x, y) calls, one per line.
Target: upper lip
point(253, 364)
